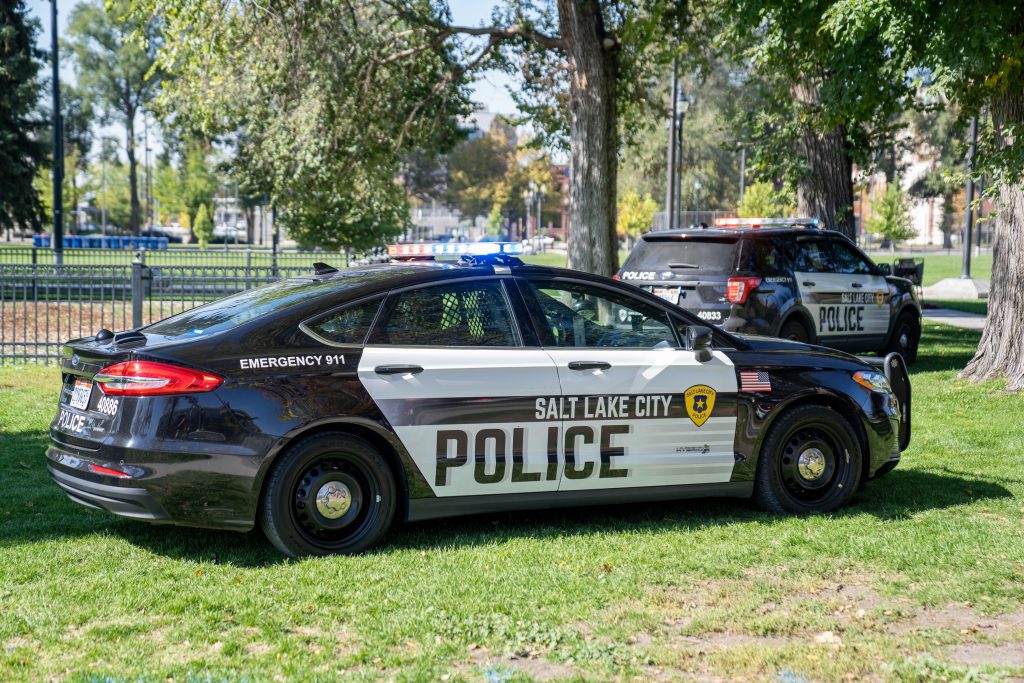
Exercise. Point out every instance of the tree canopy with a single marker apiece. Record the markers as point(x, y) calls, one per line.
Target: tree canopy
point(21, 150)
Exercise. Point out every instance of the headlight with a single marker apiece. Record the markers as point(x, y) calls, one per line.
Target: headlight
point(872, 381)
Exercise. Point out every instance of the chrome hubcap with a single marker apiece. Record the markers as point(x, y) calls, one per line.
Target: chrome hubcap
point(333, 500)
point(810, 464)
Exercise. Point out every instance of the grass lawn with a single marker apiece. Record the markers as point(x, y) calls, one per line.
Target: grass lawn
point(921, 578)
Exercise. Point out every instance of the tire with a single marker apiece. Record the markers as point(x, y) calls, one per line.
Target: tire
point(794, 330)
point(356, 502)
point(906, 336)
point(805, 440)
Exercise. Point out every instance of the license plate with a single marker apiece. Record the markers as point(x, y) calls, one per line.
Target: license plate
point(669, 294)
point(80, 395)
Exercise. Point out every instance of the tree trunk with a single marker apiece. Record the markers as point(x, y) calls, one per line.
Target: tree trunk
point(593, 137)
point(250, 224)
point(825, 188)
point(1001, 351)
point(133, 177)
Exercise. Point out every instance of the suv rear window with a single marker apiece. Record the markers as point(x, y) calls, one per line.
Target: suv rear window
point(703, 254)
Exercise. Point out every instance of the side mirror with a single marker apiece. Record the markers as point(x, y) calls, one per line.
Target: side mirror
point(884, 269)
point(698, 340)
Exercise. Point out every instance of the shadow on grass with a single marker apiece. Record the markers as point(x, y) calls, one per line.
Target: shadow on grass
point(33, 509)
point(944, 347)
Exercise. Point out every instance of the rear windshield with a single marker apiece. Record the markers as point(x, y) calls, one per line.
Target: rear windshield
point(235, 310)
point(702, 255)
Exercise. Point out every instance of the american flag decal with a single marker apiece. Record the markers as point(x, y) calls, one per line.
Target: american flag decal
point(755, 380)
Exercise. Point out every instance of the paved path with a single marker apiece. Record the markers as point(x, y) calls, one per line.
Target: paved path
point(968, 321)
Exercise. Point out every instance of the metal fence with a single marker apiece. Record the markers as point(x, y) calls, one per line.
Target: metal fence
point(43, 305)
point(251, 258)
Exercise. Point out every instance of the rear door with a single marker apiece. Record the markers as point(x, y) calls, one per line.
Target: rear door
point(447, 367)
point(848, 303)
point(637, 409)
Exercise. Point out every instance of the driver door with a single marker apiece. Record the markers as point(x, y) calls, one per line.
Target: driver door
point(637, 410)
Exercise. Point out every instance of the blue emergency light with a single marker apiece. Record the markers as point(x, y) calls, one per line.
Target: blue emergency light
point(428, 249)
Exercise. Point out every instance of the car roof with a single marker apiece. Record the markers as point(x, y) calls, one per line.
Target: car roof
point(714, 232)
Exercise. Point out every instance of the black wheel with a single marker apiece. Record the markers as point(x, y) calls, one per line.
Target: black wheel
point(330, 493)
point(794, 330)
point(810, 462)
point(906, 336)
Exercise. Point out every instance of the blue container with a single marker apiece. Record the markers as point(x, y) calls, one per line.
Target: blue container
point(162, 243)
point(37, 241)
point(72, 242)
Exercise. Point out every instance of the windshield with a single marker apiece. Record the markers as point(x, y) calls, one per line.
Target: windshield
point(682, 256)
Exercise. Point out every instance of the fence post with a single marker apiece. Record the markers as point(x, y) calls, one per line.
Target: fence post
point(248, 267)
point(35, 256)
point(137, 292)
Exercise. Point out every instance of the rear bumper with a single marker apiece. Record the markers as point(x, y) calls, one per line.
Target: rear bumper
point(124, 501)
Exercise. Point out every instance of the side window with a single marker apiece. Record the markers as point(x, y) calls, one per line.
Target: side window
point(812, 257)
point(462, 314)
point(845, 259)
point(766, 256)
point(348, 326)
point(581, 315)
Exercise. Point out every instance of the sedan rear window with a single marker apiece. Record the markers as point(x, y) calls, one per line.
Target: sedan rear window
point(235, 310)
point(695, 255)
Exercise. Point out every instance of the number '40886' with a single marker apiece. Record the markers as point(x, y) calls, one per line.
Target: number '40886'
point(107, 405)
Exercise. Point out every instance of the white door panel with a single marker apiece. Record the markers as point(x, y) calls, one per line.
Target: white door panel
point(469, 418)
point(841, 309)
point(632, 419)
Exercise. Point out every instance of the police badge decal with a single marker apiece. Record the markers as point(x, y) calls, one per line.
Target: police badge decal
point(699, 401)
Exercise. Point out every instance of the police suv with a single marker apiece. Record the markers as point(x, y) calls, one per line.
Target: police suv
point(780, 278)
point(324, 408)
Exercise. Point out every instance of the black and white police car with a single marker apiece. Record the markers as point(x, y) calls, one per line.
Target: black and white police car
point(324, 408)
point(780, 278)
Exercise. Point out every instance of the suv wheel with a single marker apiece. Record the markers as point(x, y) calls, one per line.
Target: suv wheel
point(330, 493)
point(794, 330)
point(906, 336)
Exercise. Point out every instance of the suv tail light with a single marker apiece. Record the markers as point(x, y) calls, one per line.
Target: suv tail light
point(149, 378)
point(739, 288)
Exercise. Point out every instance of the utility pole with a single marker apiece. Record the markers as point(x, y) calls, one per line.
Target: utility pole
point(670, 176)
point(58, 145)
point(146, 185)
point(965, 273)
point(743, 172)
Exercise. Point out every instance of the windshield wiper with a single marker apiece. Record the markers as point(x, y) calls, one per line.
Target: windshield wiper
point(683, 265)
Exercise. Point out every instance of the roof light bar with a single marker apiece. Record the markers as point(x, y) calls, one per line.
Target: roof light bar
point(427, 249)
point(766, 222)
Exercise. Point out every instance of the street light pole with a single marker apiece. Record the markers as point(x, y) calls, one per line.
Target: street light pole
point(670, 175)
point(969, 200)
point(58, 145)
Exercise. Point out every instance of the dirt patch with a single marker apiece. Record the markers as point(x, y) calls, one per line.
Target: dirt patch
point(962, 619)
point(984, 654)
point(536, 667)
point(24, 325)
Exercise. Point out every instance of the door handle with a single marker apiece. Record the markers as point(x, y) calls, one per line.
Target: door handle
point(808, 283)
point(398, 369)
point(857, 285)
point(588, 365)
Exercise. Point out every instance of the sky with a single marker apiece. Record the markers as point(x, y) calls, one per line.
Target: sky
point(490, 90)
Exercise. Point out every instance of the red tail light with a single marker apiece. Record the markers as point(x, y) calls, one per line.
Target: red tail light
point(149, 378)
point(616, 277)
point(739, 288)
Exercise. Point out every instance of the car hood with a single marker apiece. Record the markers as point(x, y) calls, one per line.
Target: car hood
point(774, 344)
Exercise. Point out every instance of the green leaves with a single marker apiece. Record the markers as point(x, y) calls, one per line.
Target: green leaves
point(21, 152)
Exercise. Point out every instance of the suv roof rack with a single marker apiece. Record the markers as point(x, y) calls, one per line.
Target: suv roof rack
point(807, 223)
